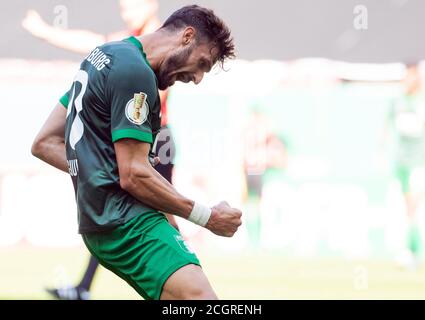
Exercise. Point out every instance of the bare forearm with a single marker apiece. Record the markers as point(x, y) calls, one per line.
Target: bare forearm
point(49, 144)
point(76, 40)
point(141, 180)
point(52, 151)
point(152, 189)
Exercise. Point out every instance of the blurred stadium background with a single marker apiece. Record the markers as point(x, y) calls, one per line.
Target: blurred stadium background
point(331, 221)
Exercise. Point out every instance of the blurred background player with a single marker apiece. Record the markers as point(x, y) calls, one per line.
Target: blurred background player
point(140, 17)
point(264, 150)
point(407, 118)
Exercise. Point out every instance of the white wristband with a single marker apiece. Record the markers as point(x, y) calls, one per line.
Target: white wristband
point(200, 214)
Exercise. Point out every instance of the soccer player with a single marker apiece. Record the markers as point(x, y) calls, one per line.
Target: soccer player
point(141, 17)
point(104, 140)
point(407, 117)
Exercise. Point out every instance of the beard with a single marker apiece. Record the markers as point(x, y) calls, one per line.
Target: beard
point(175, 61)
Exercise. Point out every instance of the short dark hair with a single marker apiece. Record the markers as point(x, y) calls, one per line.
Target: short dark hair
point(207, 25)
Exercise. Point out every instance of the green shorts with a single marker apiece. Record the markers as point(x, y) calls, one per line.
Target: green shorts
point(145, 252)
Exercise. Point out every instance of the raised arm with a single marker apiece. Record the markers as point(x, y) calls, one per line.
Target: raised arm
point(49, 144)
point(78, 40)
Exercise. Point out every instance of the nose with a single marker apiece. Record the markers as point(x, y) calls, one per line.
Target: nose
point(198, 77)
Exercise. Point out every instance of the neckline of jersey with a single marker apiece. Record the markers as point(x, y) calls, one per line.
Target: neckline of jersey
point(139, 45)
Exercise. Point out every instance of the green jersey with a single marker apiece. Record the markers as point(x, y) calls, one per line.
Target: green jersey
point(407, 114)
point(114, 96)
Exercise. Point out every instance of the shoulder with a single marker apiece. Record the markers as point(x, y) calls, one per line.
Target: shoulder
point(129, 65)
point(125, 54)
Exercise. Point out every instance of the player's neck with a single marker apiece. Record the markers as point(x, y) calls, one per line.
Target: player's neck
point(157, 46)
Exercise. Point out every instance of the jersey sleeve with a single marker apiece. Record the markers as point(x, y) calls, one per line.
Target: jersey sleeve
point(64, 100)
point(127, 90)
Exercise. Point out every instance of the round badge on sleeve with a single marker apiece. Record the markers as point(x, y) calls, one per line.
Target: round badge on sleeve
point(137, 109)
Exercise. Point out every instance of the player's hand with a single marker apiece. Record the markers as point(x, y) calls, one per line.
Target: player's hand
point(224, 220)
point(34, 24)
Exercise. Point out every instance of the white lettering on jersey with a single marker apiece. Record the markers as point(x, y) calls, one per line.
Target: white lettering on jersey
point(98, 59)
point(73, 167)
point(77, 128)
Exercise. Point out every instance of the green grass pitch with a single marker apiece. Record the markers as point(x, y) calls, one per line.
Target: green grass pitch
point(26, 270)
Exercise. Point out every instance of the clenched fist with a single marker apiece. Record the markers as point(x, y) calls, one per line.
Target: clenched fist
point(224, 220)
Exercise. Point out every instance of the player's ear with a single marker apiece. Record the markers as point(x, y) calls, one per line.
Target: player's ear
point(189, 34)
